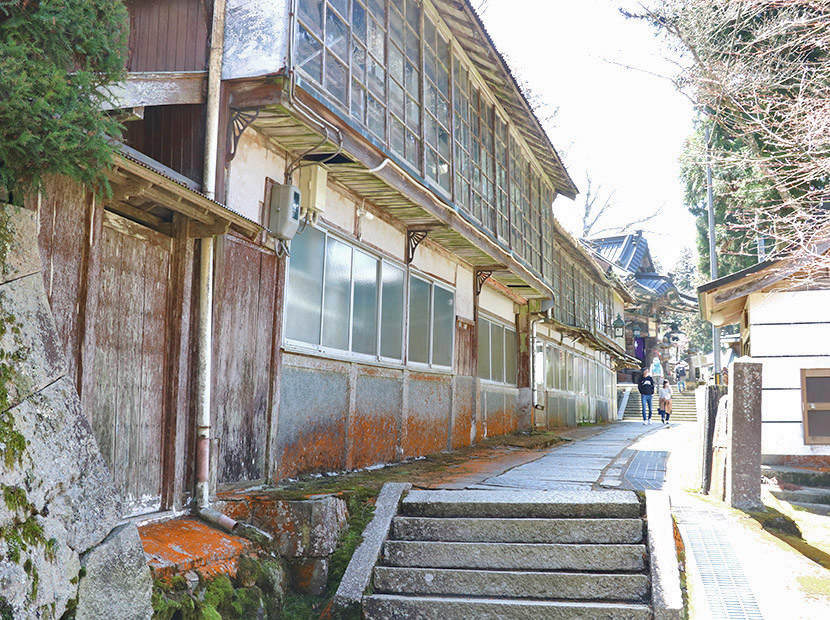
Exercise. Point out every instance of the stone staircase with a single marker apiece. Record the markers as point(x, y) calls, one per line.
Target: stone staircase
point(683, 407)
point(800, 486)
point(458, 555)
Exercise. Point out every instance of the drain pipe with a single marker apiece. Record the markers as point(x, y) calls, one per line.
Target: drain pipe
point(534, 401)
point(205, 327)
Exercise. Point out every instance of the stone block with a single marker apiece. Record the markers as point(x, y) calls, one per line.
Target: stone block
point(522, 504)
point(393, 607)
point(514, 556)
point(117, 583)
point(22, 255)
point(65, 473)
point(511, 584)
point(303, 528)
point(359, 572)
point(42, 359)
point(519, 530)
point(743, 479)
point(309, 575)
point(666, 597)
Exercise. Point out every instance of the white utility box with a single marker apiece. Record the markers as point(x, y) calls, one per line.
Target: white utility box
point(313, 186)
point(284, 211)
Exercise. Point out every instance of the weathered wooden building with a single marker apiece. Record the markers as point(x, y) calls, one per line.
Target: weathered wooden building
point(430, 299)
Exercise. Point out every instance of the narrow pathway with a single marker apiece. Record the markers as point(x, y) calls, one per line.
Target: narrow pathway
point(632, 455)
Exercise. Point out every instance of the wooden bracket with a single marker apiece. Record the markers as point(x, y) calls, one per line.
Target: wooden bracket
point(200, 231)
point(240, 121)
point(413, 240)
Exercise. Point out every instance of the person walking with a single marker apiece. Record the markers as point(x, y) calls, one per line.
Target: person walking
point(646, 388)
point(681, 378)
point(665, 402)
point(657, 370)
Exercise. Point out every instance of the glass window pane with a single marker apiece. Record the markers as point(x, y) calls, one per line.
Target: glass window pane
point(311, 13)
point(443, 330)
point(563, 363)
point(391, 322)
point(336, 76)
point(365, 313)
point(497, 353)
point(483, 348)
point(337, 295)
point(359, 21)
point(305, 286)
point(337, 35)
point(419, 304)
point(376, 118)
point(550, 371)
point(342, 6)
point(510, 356)
point(309, 54)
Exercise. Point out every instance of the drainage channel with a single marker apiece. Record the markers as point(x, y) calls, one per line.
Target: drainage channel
point(725, 586)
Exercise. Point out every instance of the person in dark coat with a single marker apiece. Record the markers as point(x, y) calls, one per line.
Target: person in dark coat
point(646, 388)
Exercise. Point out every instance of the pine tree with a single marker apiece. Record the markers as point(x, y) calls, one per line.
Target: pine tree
point(57, 58)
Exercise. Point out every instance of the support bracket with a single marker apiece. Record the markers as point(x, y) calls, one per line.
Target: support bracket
point(240, 121)
point(413, 240)
point(482, 275)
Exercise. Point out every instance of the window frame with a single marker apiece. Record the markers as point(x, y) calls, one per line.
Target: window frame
point(302, 346)
point(492, 319)
point(433, 282)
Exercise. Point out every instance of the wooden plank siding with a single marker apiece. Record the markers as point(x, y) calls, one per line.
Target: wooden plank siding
point(173, 135)
point(243, 348)
point(168, 35)
point(129, 374)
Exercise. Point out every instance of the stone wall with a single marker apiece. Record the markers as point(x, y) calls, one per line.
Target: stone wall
point(60, 546)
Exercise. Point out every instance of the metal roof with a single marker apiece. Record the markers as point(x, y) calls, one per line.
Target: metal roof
point(625, 251)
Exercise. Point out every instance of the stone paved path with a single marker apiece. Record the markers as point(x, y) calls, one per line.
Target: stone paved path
point(624, 457)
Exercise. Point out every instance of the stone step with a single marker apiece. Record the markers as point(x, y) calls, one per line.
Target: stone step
point(395, 607)
point(510, 504)
point(511, 584)
point(518, 530)
point(810, 495)
point(797, 475)
point(819, 509)
point(514, 556)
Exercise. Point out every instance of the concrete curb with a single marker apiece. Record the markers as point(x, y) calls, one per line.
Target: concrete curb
point(359, 571)
point(666, 597)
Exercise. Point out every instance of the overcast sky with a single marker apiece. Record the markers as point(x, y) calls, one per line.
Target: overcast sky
point(623, 127)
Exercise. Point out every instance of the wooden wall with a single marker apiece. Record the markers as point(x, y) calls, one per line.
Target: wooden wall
point(173, 135)
point(168, 35)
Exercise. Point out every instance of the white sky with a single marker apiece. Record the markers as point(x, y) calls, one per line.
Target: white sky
point(625, 127)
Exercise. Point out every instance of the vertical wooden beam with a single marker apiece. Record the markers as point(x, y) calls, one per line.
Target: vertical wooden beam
point(88, 298)
point(272, 456)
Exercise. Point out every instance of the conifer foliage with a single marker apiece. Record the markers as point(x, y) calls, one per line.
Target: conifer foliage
point(57, 58)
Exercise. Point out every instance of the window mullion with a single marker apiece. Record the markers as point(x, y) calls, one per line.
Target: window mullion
point(351, 296)
point(323, 287)
point(422, 86)
point(379, 306)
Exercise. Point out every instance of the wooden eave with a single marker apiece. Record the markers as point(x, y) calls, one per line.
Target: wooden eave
point(470, 33)
point(150, 197)
point(403, 196)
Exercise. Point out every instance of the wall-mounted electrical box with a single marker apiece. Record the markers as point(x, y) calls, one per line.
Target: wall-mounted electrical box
point(313, 180)
point(284, 211)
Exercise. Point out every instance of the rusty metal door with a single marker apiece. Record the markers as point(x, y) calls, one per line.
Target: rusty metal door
point(128, 400)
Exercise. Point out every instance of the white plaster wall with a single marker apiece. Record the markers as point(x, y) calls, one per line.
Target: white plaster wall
point(435, 264)
point(340, 209)
point(490, 300)
point(384, 236)
point(256, 37)
point(784, 349)
point(464, 293)
point(254, 162)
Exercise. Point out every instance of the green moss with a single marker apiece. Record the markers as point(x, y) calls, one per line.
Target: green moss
point(6, 611)
point(15, 498)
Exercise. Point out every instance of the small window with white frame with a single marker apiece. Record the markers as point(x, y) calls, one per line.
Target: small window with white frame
point(342, 298)
point(431, 323)
point(496, 351)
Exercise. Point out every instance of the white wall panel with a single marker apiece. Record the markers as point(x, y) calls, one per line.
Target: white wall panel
point(786, 371)
point(787, 439)
point(497, 304)
point(464, 292)
point(789, 307)
point(778, 340)
point(781, 405)
point(254, 162)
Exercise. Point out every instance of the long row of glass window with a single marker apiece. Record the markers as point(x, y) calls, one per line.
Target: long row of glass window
point(342, 298)
point(496, 351)
point(388, 65)
point(567, 371)
point(581, 302)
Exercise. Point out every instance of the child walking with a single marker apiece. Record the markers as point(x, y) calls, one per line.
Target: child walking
point(665, 401)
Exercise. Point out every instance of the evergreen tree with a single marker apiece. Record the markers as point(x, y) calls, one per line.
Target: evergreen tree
point(57, 58)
